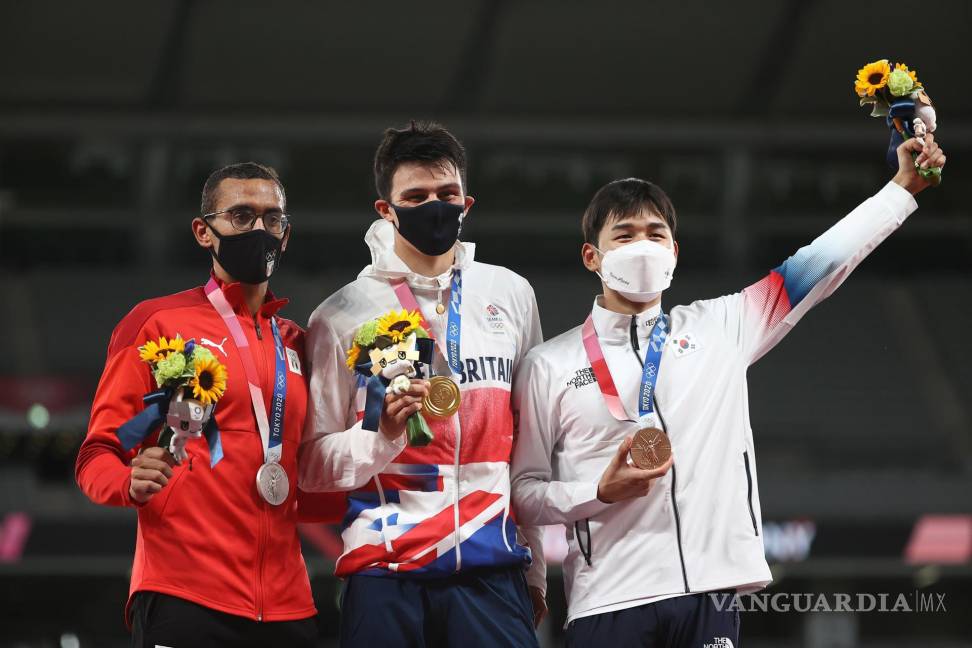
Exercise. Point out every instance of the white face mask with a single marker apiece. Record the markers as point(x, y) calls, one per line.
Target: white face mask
point(640, 271)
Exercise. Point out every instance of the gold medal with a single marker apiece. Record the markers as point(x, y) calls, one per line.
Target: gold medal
point(440, 308)
point(442, 401)
point(650, 448)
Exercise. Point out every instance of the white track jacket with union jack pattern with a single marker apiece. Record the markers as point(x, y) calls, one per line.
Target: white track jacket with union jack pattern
point(435, 510)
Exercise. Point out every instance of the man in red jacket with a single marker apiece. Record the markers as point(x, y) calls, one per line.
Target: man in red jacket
point(217, 555)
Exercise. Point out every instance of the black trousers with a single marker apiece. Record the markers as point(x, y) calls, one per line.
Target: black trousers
point(163, 620)
point(690, 621)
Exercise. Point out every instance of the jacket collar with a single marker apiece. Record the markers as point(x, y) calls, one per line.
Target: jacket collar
point(615, 328)
point(388, 265)
point(234, 295)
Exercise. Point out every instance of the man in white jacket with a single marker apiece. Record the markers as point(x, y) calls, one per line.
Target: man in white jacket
point(431, 555)
point(645, 545)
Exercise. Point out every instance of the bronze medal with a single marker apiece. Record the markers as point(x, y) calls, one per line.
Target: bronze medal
point(442, 401)
point(650, 448)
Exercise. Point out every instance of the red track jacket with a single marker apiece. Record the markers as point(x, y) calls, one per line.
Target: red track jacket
point(208, 536)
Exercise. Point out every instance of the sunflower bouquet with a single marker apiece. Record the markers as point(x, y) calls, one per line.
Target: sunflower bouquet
point(387, 352)
point(192, 380)
point(898, 96)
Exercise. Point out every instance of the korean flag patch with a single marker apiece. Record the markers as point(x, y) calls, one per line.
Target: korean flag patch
point(684, 344)
point(293, 361)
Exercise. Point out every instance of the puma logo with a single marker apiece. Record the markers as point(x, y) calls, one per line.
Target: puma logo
point(219, 346)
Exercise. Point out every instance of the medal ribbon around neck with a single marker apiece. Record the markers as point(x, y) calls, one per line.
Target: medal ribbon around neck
point(406, 298)
point(649, 375)
point(271, 430)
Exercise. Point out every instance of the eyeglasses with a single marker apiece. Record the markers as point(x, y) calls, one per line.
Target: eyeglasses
point(243, 219)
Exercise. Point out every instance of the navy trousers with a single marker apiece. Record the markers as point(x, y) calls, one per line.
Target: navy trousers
point(485, 608)
point(690, 621)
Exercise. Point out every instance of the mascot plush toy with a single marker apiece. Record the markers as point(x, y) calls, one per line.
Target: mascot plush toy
point(387, 352)
point(190, 381)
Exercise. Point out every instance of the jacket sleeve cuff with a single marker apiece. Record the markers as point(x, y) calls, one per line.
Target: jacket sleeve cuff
point(588, 505)
point(898, 199)
point(385, 449)
point(126, 492)
point(106, 480)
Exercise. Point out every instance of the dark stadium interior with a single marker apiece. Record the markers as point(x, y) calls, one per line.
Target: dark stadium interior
point(113, 113)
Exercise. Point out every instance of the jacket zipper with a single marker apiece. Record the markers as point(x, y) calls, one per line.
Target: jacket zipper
point(260, 555)
point(749, 492)
point(678, 522)
point(455, 505)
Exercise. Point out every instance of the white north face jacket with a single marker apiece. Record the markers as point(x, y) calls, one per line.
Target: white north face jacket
point(699, 528)
point(443, 508)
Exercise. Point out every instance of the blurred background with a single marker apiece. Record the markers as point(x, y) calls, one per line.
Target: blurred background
point(113, 113)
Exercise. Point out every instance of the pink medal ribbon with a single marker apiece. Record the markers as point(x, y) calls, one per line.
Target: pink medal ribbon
point(450, 350)
point(601, 372)
point(222, 306)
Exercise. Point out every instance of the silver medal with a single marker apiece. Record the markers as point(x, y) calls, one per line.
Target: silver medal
point(272, 483)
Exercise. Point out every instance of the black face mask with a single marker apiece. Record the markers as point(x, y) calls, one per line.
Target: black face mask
point(250, 257)
point(432, 227)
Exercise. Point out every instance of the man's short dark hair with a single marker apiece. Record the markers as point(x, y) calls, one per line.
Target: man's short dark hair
point(238, 171)
point(423, 142)
point(621, 198)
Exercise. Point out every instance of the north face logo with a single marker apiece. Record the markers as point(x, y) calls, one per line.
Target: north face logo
point(719, 642)
point(582, 377)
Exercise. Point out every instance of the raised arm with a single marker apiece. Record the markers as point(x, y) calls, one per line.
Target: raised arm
point(771, 306)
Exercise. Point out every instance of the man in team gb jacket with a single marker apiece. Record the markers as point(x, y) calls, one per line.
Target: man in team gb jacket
point(646, 543)
point(217, 555)
point(430, 546)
